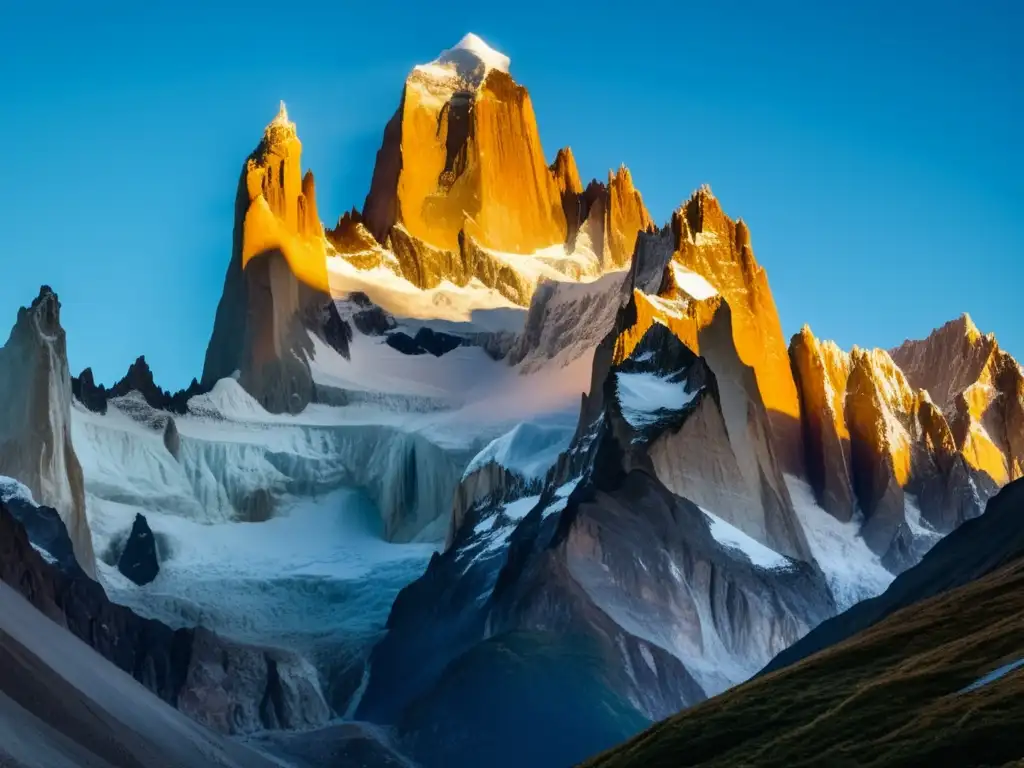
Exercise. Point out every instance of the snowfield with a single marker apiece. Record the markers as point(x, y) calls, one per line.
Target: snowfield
point(853, 571)
point(646, 397)
point(731, 537)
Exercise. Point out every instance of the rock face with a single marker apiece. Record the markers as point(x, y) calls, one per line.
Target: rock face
point(979, 385)
point(276, 283)
point(611, 216)
point(621, 547)
point(138, 561)
point(463, 153)
point(978, 547)
point(180, 666)
point(921, 661)
point(880, 445)
point(139, 378)
point(719, 249)
point(461, 189)
point(35, 418)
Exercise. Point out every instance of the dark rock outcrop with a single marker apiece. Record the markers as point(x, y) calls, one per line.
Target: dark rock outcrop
point(138, 561)
point(426, 341)
point(88, 393)
point(139, 378)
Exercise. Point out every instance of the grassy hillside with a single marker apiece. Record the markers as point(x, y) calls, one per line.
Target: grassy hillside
point(889, 696)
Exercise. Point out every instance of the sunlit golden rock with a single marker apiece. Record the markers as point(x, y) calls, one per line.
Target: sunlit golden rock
point(466, 154)
point(978, 386)
point(276, 279)
point(821, 371)
point(614, 213)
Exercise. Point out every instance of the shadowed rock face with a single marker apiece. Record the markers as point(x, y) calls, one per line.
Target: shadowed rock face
point(276, 283)
point(139, 378)
point(978, 547)
point(194, 670)
point(610, 550)
point(713, 245)
point(35, 418)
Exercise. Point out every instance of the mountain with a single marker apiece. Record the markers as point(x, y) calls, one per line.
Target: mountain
point(64, 706)
point(927, 673)
point(915, 441)
point(276, 282)
point(494, 455)
point(463, 198)
point(35, 436)
point(664, 542)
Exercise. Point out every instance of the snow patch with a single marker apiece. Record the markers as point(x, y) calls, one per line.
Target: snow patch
point(469, 61)
point(733, 538)
point(528, 450)
point(692, 283)
point(994, 675)
point(646, 397)
point(853, 571)
point(473, 303)
point(15, 489)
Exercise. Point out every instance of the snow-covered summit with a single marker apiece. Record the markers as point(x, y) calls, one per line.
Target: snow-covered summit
point(469, 61)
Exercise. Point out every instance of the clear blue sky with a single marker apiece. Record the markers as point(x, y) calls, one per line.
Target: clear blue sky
point(875, 148)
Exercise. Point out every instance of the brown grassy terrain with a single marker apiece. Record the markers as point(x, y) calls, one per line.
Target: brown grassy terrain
point(888, 696)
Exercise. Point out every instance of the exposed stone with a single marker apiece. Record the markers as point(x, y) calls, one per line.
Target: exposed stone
point(189, 669)
point(86, 391)
point(614, 213)
point(979, 388)
point(276, 282)
point(821, 370)
point(139, 561)
point(35, 418)
point(713, 245)
point(456, 157)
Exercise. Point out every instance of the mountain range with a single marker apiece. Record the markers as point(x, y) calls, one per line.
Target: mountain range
point(496, 455)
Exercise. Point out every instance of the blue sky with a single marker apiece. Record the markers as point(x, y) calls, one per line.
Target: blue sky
point(875, 149)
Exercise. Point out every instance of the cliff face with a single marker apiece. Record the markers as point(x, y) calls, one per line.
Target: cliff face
point(706, 241)
point(276, 283)
point(979, 386)
point(35, 418)
point(613, 214)
point(461, 190)
point(924, 432)
point(463, 152)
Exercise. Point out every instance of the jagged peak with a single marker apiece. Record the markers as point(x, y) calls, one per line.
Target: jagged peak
point(281, 127)
point(565, 171)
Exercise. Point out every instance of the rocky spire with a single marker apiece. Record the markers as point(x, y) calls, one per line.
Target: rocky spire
point(463, 154)
point(35, 419)
point(978, 385)
point(706, 241)
point(276, 279)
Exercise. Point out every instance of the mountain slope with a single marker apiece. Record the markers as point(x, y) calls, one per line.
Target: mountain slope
point(64, 706)
point(934, 681)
